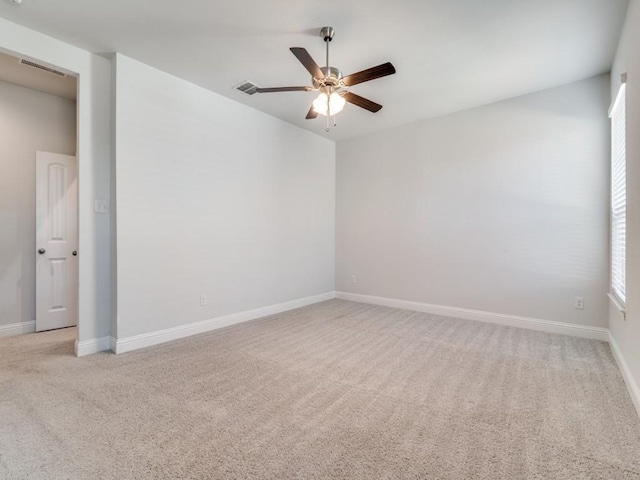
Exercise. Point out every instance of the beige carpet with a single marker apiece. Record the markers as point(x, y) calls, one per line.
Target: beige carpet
point(336, 390)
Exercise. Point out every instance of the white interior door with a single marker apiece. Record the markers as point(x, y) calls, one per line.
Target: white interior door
point(56, 241)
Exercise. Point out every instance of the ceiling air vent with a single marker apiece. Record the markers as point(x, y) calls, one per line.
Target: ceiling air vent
point(247, 87)
point(41, 67)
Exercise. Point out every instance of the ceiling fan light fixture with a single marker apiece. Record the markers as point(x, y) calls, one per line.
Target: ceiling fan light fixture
point(336, 104)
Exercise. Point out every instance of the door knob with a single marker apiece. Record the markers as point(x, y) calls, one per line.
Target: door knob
point(41, 251)
point(74, 253)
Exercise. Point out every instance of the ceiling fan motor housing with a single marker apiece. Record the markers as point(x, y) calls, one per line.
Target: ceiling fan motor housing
point(332, 78)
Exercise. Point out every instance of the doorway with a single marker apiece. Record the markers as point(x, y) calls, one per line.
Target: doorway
point(38, 106)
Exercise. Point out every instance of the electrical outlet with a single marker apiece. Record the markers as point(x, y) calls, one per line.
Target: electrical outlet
point(579, 303)
point(203, 299)
point(353, 279)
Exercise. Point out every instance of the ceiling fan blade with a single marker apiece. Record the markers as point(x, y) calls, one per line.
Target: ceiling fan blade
point(311, 114)
point(283, 89)
point(361, 102)
point(309, 63)
point(369, 74)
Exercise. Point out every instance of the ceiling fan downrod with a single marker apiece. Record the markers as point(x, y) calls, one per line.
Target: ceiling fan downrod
point(327, 34)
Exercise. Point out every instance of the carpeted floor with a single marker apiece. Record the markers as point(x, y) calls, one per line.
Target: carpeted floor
point(335, 390)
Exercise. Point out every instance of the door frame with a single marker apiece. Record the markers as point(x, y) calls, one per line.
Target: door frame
point(93, 153)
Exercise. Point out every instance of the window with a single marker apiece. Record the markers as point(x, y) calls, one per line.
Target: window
point(618, 196)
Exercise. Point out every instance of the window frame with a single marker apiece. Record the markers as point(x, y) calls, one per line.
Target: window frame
point(618, 199)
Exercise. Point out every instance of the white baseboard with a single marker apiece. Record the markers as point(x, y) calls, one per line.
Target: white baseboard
point(634, 390)
point(95, 345)
point(135, 342)
point(549, 326)
point(17, 328)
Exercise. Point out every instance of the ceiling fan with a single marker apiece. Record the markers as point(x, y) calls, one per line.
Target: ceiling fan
point(333, 87)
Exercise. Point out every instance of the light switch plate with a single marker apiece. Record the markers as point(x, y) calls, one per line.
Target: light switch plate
point(101, 206)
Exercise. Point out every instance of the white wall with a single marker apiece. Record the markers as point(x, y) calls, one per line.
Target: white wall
point(501, 208)
point(29, 121)
point(93, 169)
point(626, 333)
point(214, 197)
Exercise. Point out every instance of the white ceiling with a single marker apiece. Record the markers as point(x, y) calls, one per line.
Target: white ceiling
point(449, 54)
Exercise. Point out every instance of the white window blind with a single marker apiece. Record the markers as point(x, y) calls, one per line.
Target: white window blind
point(618, 196)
